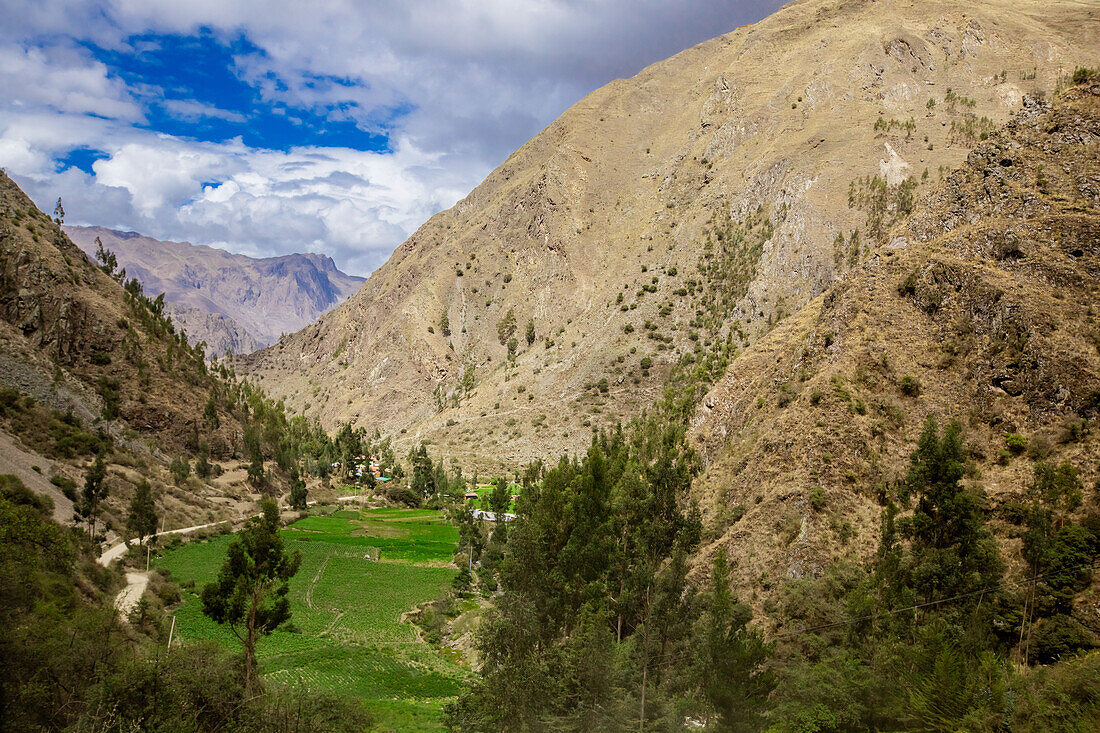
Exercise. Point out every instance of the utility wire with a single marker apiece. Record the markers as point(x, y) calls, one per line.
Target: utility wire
point(926, 604)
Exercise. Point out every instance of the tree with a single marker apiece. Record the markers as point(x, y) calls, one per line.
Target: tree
point(95, 490)
point(250, 593)
point(59, 212)
point(500, 498)
point(732, 677)
point(255, 452)
point(951, 552)
point(298, 491)
point(142, 520)
point(423, 478)
point(211, 411)
point(530, 335)
point(106, 258)
point(445, 324)
point(506, 326)
point(202, 463)
point(180, 468)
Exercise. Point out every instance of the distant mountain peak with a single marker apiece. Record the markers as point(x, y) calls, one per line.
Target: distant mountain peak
point(228, 300)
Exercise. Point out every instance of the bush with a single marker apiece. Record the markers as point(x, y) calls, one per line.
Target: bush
point(1058, 637)
point(66, 484)
point(1015, 443)
point(817, 498)
point(787, 393)
point(402, 495)
point(1015, 512)
point(909, 386)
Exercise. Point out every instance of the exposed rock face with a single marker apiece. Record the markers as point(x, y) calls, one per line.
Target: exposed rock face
point(71, 338)
point(595, 230)
point(219, 332)
point(982, 309)
point(229, 301)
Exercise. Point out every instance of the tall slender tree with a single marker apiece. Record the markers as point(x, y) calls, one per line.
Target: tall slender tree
point(250, 593)
point(142, 519)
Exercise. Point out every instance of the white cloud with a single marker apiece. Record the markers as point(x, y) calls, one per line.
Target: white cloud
point(473, 80)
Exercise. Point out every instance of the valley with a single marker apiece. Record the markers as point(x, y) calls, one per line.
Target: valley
point(758, 391)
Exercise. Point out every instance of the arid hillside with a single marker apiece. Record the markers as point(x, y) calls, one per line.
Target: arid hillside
point(229, 301)
point(982, 308)
point(703, 201)
point(92, 366)
point(75, 339)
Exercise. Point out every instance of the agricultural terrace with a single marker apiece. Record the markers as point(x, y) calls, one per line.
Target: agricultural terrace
point(360, 572)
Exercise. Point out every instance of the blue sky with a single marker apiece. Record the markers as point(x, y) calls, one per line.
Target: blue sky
point(275, 127)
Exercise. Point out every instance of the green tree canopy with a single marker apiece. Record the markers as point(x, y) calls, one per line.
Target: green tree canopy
point(250, 593)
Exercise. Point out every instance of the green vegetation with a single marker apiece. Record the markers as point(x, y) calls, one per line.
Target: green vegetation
point(599, 625)
point(71, 665)
point(249, 594)
point(885, 204)
point(728, 264)
point(358, 575)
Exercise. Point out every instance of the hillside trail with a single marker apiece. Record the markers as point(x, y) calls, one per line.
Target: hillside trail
point(127, 599)
point(136, 583)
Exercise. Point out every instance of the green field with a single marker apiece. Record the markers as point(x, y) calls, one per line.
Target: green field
point(484, 491)
point(347, 634)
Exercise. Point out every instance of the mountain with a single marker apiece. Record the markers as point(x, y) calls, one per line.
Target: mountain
point(981, 309)
point(229, 301)
point(76, 340)
point(689, 209)
point(87, 367)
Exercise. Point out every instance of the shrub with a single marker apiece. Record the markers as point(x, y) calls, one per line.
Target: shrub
point(1059, 637)
point(909, 386)
point(1015, 443)
point(66, 484)
point(1038, 448)
point(817, 498)
point(787, 394)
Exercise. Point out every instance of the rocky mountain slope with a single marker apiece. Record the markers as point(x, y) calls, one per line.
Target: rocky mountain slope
point(75, 339)
point(231, 302)
point(699, 203)
point(89, 366)
point(982, 308)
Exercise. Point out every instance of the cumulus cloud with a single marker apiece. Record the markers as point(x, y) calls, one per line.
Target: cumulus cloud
point(454, 86)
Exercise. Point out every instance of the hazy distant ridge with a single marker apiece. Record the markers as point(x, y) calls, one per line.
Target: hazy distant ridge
point(228, 300)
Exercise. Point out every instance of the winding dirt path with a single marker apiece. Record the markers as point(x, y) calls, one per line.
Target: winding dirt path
point(136, 583)
point(128, 597)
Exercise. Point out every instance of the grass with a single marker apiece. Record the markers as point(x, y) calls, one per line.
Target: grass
point(346, 634)
point(484, 491)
